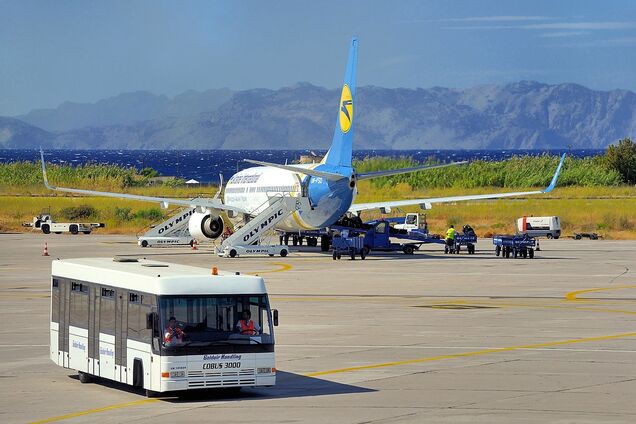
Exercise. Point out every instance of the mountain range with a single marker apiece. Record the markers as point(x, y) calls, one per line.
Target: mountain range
point(521, 115)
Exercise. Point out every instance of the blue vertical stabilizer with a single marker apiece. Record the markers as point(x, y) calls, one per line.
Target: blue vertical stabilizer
point(339, 153)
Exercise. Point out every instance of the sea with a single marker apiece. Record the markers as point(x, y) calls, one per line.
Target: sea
point(205, 166)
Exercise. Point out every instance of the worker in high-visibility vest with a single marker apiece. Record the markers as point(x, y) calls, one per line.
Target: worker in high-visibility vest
point(173, 334)
point(450, 235)
point(246, 326)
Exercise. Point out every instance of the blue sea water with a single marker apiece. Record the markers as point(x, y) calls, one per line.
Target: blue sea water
point(206, 165)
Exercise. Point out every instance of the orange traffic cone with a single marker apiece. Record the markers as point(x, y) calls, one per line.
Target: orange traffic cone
point(194, 245)
point(46, 250)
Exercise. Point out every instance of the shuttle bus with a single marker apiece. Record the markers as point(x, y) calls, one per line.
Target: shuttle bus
point(159, 326)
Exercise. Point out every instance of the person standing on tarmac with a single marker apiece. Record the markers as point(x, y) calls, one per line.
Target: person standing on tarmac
point(450, 235)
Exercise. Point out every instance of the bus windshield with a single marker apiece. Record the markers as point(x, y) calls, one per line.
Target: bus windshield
point(198, 321)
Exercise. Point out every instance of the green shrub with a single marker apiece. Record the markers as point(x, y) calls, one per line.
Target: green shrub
point(77, 213)
point(152, 214)
point(622, 159)
point(122, 214)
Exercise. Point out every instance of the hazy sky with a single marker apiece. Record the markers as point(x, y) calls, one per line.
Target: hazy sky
point(53, 51)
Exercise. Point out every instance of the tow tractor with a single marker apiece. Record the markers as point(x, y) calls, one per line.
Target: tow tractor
point(45, 223)
point(376, 236)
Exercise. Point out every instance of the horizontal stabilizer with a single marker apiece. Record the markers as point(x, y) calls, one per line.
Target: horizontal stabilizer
point(301, 170)
point(390, 172)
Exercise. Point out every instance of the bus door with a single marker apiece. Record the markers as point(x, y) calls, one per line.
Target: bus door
point(64, 317)
point(121, 330)
point(93, 330)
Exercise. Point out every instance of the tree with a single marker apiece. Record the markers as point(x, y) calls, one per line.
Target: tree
point(622, 158)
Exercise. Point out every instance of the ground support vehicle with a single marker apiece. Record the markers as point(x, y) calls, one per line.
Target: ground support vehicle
point(257, 249)
point(159, 326)
point(351, 244)
point(519, 245)
point(46, 224)
point(468, 240)
point(171, 232)
point(539, 226)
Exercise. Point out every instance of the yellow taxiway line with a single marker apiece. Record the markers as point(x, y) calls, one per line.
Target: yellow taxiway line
point(370, 366)
point(573, 295)
point(281, 268)
point(95, 410)
point(469, 354)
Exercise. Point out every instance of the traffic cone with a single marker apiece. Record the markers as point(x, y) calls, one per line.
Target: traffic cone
point(538, 249)
point(46, 250)
point(194, 245)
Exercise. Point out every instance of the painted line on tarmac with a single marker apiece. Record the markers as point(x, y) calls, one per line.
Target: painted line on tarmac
point(548, 349)
point(573, 295)
point(96, 410)
point(366, 367)
point(469, 354)
point(281, 268)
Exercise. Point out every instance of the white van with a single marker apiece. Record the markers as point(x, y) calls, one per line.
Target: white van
point(539, 226)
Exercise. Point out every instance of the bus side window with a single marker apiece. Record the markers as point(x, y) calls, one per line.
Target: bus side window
point(107, 311)
point(134, 316)
point(79, 305)
point(55, 300)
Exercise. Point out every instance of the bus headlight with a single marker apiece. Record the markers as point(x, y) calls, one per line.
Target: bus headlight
point(177, 374)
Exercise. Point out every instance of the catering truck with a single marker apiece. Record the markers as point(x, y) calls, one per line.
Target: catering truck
point(540, 226)
point(160, 326)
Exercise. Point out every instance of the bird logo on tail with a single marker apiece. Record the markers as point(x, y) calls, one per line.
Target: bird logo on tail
point(346, 109)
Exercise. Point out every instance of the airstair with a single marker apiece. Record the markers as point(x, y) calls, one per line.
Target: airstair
point(172, 231)
point(280, 207)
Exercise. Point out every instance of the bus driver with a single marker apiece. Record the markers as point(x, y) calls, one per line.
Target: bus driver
point(173, 334)
point(246, 326)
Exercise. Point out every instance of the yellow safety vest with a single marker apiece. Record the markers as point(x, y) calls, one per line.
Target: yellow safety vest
point(450, 234)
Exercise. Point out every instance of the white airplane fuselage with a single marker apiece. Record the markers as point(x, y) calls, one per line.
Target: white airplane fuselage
point(321, 202)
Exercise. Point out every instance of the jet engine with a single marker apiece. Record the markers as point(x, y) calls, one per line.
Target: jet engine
point(205, 225)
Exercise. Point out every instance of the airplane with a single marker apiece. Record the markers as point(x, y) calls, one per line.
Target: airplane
point(324, 191)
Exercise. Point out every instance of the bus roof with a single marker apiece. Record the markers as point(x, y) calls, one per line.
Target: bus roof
point(156, 277)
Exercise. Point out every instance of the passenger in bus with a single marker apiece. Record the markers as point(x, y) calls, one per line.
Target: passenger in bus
point(173, 334)
point(246, 326)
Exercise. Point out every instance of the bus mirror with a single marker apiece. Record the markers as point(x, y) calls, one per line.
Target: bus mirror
point(275, 312)
point(150, 320)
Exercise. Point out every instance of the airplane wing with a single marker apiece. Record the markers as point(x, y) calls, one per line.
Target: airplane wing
point(390, 172)
point(214, 203)
point(299, 169)
point(427, 203)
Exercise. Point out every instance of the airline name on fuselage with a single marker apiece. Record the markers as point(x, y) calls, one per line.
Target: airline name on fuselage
point(263, 225)
point(176, 221)
point(244, 179)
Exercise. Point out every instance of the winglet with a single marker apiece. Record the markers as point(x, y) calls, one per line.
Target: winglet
point(556, 176)
point(46, 180)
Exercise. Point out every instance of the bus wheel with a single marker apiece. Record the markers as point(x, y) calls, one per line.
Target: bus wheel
point(85, 377)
